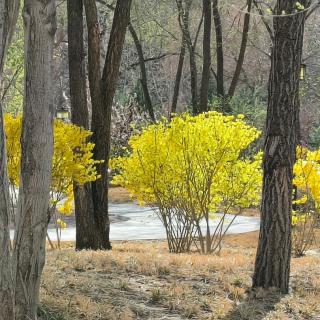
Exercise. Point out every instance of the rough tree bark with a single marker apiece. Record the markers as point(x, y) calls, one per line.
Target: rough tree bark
point(94, 69)
point(219, 48)
point(243, 47)
point(36, 155)
point(272, 266)
point(203, 103)
point(102, 90)
point(8, 17)
point(143, 71)
point(84, 213)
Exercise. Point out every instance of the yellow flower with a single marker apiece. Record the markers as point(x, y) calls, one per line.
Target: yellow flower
point(192, 162)
point(61, 224)
point(72, 159)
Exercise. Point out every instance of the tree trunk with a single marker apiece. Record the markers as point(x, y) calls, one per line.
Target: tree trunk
point(272, 266)
point(203, 106)
point(242, 51)
point(8, 17)
point(177, 82)
point(101, 223)
point(84, 213)
point(184, 25)
point(101, 130)
point(219, 48)
point(143, 71)
point(102, 90)
point(36, 155)
point(6, 281)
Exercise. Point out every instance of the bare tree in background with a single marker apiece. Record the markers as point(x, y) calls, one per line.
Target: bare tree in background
point(219, 48)
point(242, 51)
point(220, 54)
point(206, 44)
point(143, 72)
point(184, 10)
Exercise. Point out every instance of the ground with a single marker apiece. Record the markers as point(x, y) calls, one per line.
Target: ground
point(119, 195)
point(141, 280)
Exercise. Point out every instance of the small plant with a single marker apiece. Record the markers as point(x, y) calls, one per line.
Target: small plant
point(157, 295)
point(162, 270)
point(306, 214)
point(123, 285)
point(238, 282)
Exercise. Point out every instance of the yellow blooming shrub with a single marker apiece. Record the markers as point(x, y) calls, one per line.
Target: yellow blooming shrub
point(72, 160)
point(190, 168)
point(306, 204)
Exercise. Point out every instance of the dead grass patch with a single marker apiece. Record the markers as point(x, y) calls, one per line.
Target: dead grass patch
point(118, 195)
point(141, 280)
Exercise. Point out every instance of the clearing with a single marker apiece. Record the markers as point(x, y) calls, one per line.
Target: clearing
point(141, 280)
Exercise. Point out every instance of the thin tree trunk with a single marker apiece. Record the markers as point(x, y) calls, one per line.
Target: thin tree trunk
point(219, 48)
point(203, 106)
point(84, 213)
point(8, 17)
point(177, 82)
point(36, 155)
point(143, 71)
point(184, 25)
point(272, 266)
point(243, 47)
point(102, 90)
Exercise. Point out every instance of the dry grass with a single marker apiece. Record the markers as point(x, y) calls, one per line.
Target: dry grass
point(140, 280)
point(118, 195)
point(251, 212)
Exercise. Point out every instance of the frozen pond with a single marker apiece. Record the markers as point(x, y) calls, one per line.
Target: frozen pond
point(134, 222)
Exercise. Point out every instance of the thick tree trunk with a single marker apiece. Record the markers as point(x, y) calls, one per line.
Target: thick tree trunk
point(219, 48)
point(8, 17)
point(36, 155)
point(243, 47)
point(203, 106)
point(272, 267)
point(101, 218)
point(177, 82)
point(102, 90)
point(143, 71)
point(101, 129)
point(86, 237)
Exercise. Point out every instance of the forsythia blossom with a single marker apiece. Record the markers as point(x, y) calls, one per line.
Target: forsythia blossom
point(72, 159)
point(195, 162)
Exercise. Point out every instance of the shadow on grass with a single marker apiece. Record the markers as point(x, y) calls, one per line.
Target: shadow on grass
point(47, 314)
point(255, 306)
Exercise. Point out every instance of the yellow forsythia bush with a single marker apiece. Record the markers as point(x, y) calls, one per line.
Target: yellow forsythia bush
point(72, 160)
point(190, 168)
point(306, 215)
